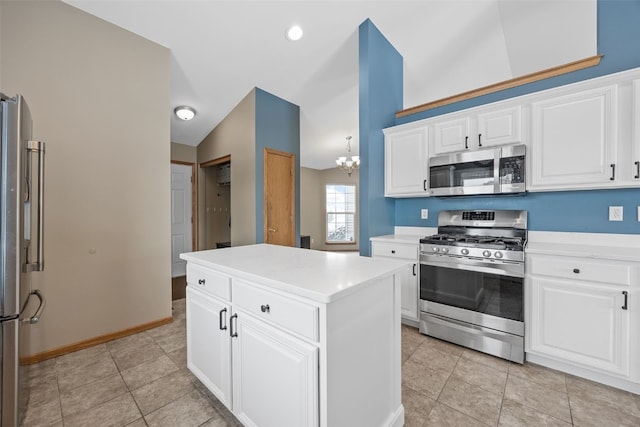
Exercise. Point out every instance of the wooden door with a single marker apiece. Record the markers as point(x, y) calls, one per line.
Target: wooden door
point(279, 197)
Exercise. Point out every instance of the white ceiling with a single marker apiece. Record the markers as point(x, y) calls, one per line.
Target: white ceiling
point(220, 50)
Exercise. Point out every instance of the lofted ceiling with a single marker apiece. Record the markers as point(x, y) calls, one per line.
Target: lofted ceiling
point(220, 50)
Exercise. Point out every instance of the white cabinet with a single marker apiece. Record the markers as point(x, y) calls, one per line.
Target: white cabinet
point(574, 141)
point(483, 128)
point(405, 162)
point(580, 315)
point(635, 142)
point(264, 357)
point(208, 342)
point(271, 370)
point(410, 278)
point(297, 336)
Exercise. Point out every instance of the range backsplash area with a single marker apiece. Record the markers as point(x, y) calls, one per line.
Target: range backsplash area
point(584, 211)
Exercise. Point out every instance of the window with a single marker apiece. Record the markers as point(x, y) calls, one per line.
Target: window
point(341, 213)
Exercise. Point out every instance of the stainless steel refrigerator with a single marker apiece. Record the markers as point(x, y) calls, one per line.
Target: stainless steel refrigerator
point(21, 251)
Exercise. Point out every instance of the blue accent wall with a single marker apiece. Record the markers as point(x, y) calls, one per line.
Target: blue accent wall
point(277, 127)
point(380, 96)
point(618, 35)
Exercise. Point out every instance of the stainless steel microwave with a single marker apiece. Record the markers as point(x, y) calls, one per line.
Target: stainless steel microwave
point(488, 171)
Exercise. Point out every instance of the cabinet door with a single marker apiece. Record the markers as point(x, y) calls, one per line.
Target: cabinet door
point(409, 293)
point(453, 135)
point(579, 323)
point(635, 151)
point(499, 127)
point(275, 376)
point(209, 343)
point(574, 141)
point(405, 160)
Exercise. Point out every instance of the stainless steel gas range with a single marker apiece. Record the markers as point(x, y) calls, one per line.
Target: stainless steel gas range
point(472, 281)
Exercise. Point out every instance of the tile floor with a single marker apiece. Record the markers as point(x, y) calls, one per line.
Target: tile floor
point(142, 380)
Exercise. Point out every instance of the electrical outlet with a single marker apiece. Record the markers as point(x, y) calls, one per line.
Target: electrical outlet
point(424, 213)
point(615, 213)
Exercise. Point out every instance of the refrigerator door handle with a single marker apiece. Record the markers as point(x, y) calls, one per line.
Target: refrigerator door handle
point(36, 317)
point(38, 147)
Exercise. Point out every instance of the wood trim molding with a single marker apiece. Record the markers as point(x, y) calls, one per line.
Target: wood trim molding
point(507, 84)
point(218, 161)
point(30, 360)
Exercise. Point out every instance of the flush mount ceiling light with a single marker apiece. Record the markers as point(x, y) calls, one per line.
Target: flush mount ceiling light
point(294, 33)
point(185, 112)
point(348, 165)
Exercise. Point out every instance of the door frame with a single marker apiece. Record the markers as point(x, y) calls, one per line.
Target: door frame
point(194, 201)
point(270, 151)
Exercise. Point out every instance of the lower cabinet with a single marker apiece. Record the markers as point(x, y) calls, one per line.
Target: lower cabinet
point(273, 370)
point(580, 314)
point(410, 279)
point(278, 359)
point(249, 366)
point(209, 359)
point(581, 323)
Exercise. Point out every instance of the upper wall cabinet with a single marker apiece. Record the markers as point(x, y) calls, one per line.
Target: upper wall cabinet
point(485, 128)
point(574, 141)
point(635, 149)
point(405, 161)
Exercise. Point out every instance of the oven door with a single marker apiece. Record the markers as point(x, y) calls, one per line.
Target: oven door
point(481, 292)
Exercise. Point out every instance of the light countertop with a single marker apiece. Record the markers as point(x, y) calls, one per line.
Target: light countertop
point(618, 247)
point(319, 276)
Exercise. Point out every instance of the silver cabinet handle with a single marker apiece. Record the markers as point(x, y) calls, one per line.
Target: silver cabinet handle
point(37, 147)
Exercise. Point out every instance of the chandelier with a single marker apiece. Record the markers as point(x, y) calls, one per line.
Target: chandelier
point(348, 165)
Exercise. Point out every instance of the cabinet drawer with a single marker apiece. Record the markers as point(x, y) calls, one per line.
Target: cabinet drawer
point(293, 315)
point(394, 250)
point(593, 270)
point(209, 281)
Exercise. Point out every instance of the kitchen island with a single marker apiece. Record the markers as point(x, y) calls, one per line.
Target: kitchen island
point(295, 337)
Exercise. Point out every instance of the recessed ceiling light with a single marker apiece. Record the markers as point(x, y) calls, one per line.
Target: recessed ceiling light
point(185, 112)
point(294, 33)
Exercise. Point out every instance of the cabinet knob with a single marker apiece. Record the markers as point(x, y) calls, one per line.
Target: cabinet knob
point(201, 282)
point(393, 251)
point(265, 308)
point(576, 270)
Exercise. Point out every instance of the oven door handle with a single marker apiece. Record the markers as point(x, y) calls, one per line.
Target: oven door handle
point(501, 269)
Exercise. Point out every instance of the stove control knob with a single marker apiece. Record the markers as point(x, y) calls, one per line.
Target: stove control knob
point(486, 253)
point(435, 249)
point(464, 251)
point(444, 250)
point(498, 254)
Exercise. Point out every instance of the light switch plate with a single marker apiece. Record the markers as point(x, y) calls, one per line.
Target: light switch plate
point(424, 213)
point(615, 213)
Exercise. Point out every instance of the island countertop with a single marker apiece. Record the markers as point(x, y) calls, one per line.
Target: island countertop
point(320, 276)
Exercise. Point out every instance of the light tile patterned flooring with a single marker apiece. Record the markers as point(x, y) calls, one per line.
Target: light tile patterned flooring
point(142, 380)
